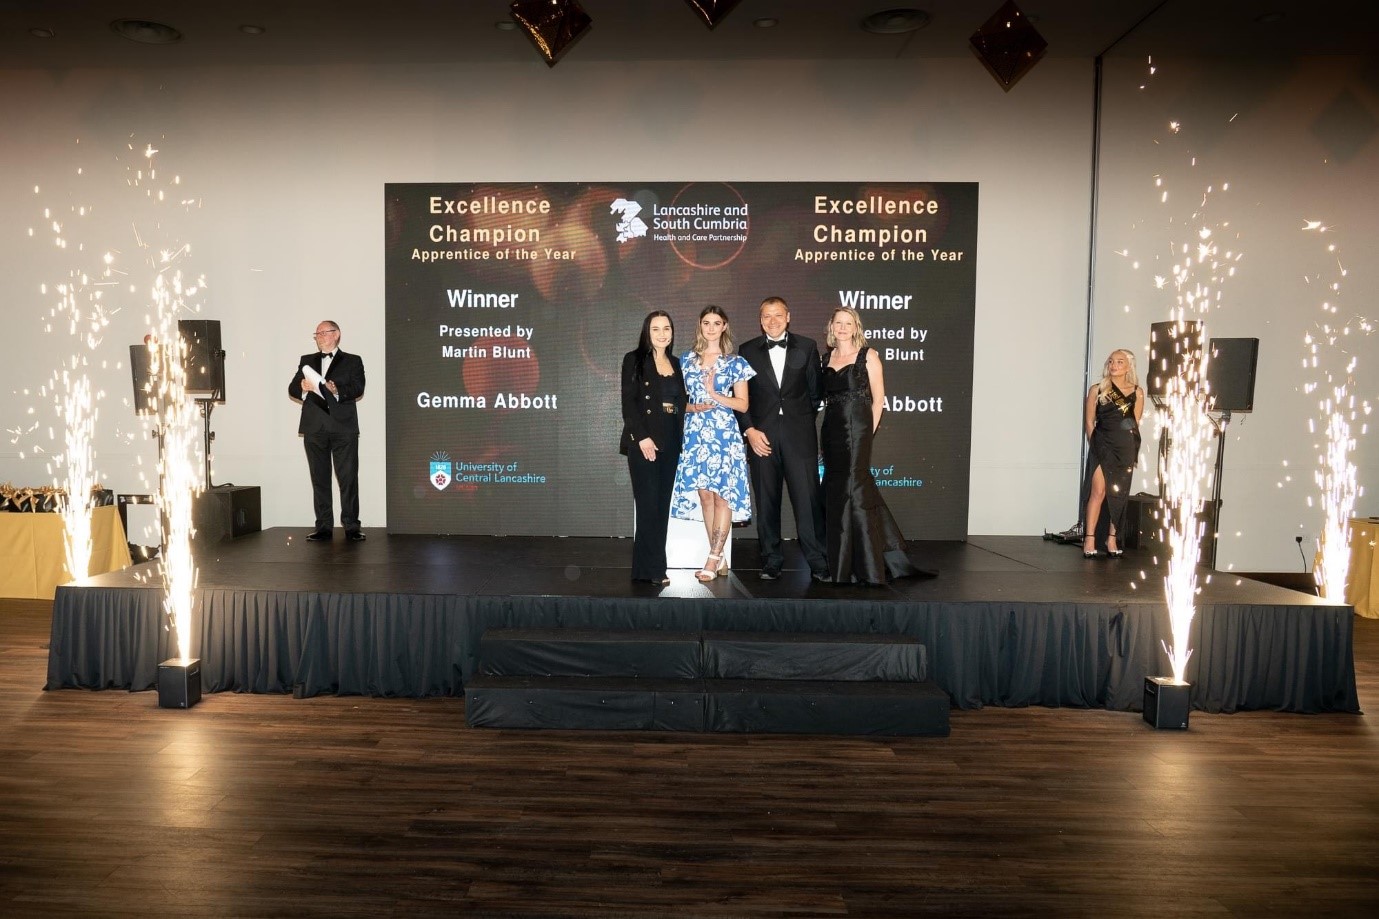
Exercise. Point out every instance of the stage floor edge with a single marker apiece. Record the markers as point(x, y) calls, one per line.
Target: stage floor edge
point(1009, 620)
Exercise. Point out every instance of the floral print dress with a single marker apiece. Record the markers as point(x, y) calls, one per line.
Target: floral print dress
point(713, 456)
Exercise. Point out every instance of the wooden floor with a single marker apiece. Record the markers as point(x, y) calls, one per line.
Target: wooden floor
point(253, 805)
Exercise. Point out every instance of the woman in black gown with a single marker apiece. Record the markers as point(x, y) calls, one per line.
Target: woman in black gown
point(1112, 418)
point(865, 544)
point(653, 417)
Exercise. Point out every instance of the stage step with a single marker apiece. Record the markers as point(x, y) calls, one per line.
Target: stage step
point(566, 703)
point(813, 656)
point(643, 680)
point(716, 655)
point(730, 706)
point(643, 653)
point(826, 707)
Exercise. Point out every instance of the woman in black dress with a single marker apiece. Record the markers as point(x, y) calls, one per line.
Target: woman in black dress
point(864, 542)
point(1112, 418)
point(653, 417)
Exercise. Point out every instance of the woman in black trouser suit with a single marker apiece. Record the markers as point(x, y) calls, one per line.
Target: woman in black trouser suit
point(653, 419)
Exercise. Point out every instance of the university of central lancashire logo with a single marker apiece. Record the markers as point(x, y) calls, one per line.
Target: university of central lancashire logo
point(629, 225)
point(441, 470)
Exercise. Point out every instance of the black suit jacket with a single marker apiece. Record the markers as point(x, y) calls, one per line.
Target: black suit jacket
point(642, 412)
point(796, 398)
point(327, 414)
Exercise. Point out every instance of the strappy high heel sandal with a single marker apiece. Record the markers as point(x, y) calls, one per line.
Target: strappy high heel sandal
point(1116, 552)
point(705, 575)
point(1089, 553)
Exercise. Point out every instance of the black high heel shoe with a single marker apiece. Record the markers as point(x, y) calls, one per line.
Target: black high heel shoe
point(1116, 552)
point(1085, 552)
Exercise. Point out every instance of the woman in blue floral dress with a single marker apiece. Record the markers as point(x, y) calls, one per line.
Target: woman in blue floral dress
point(711, 478)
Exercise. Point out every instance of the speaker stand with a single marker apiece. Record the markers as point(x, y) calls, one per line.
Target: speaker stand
point(207, 406)
point(1220, 424)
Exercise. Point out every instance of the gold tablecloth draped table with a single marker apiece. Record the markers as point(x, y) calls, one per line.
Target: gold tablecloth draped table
point(33, 560)
point(1362, 589)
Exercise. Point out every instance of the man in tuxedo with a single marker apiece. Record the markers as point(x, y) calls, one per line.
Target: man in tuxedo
point(330, 429)
point(782, 441)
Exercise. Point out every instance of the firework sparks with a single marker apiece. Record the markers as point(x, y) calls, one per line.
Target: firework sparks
point(1185, 474)
point(179, 462)
point(1197, 271)
point(80, 313)
point(1341, 416)
point(81, 309)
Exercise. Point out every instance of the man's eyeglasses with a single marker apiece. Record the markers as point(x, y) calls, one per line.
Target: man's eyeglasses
point(326, 332)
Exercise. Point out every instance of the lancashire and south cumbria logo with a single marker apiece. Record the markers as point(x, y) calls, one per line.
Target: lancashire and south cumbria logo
point(442, 472)
point(629, 225)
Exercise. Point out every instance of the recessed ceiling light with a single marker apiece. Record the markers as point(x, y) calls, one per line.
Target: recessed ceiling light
point(146, 32)
point(249, 29)
point(893, 22)
point(766, 22)
point(505, 25)
point(40, 32)
point(1267, 18)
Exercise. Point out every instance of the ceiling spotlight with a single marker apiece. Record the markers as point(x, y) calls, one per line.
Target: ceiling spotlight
point(505, 25)
point(146, 32)
point(552, 25)
point(714, 11)
point(1008, 45)
point(40, 32)
point(248, 29)
point(766, 22)
point(895, 22)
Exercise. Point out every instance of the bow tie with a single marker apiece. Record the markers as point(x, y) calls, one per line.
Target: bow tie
point(775, 344)
point(325, 354)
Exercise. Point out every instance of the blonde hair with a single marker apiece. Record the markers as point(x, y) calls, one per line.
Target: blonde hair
point(1103, 391)
point(859, 333)
point(725, 341)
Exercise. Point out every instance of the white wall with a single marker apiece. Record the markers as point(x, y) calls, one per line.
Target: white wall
point(1296, 141)
point(290, 163)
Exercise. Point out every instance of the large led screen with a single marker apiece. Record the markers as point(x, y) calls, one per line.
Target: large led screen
point(510, 305)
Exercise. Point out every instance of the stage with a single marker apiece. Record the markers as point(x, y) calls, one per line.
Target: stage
point(1011, 620)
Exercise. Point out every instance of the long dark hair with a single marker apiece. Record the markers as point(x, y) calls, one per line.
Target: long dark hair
point(645, 348)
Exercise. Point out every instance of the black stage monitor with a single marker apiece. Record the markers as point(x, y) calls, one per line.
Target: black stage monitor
point(205, 361)
point(1169, 344)
point(1231, 374)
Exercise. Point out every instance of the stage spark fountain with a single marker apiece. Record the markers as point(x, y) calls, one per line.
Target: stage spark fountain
point(78, 309)
point(180, 470)
point(1198, 270)
point(1185, 479)
point(1342, 420)
point(83, 311)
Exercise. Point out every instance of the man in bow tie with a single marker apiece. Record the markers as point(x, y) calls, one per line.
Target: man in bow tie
point(328, 382)
point(782, 441)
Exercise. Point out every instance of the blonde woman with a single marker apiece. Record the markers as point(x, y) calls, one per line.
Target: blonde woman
point(1112, 421)
point(865, 545)
point(711, 476)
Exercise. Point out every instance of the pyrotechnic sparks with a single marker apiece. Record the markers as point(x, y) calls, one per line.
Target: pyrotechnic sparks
point(179, 464)
point(179, 461)
point(80, 312)
point(79, 472)
point(1198, 269)
point(1185, 478)
point(1341, 415)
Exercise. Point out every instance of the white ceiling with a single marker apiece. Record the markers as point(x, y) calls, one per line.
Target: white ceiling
point(433, 31)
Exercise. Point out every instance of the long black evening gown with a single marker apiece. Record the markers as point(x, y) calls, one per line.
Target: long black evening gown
point(1115, 445)
point(864, 542)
